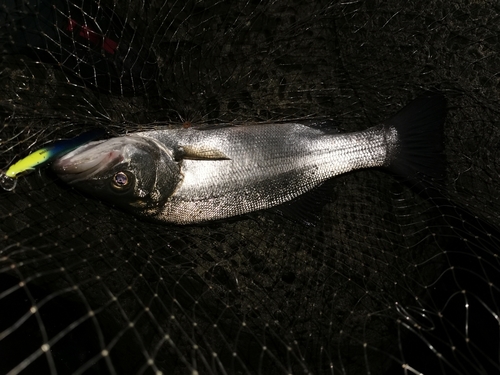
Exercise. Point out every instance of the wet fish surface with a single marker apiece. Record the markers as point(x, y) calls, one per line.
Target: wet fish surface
point(187, 176)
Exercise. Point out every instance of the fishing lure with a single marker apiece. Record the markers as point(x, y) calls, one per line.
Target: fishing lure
point(8, 179)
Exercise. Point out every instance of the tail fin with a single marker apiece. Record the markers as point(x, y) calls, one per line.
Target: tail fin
point(419, 142)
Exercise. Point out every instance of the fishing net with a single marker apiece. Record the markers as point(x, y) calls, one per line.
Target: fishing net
point(385, 281)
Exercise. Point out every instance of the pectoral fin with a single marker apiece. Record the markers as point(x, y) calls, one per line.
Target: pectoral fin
point(200, 153)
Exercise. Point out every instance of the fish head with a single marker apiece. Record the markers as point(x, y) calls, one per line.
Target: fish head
point(130, 172)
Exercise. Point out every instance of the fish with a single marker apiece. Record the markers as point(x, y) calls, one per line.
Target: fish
point(201, 174)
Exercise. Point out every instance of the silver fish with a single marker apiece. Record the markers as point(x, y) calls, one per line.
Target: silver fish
point(186, 176)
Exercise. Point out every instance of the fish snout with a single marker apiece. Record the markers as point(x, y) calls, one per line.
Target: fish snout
point(80, 165)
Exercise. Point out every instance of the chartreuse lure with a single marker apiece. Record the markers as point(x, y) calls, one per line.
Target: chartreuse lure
point(8, 179)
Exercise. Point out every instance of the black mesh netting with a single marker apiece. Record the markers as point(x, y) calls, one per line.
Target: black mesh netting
point(385, 282)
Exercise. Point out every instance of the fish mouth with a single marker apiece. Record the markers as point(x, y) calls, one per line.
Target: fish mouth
point(86, 161)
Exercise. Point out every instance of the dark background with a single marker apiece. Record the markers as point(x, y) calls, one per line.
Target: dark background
point(386, 281)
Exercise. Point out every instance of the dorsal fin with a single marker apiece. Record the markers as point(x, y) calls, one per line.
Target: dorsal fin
point(328, 126)
point(213, 126)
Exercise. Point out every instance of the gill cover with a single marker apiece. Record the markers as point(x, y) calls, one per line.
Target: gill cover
point(131, 172)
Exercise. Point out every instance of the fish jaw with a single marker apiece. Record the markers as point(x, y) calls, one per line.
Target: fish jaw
point(127, 171)
point(88, 160)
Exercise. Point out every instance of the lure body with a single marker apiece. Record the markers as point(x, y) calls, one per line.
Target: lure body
point(42, 156)
point(29, 162)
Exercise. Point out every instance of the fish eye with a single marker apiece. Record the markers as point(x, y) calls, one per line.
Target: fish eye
point(121, 181)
